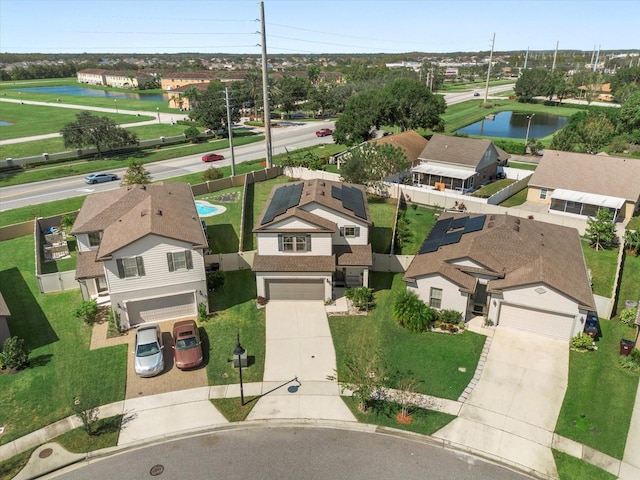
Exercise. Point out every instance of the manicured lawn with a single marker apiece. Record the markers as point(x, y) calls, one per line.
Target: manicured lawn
point(523, 166)
point(224, 228)
point(602, 264)
point(424, 422)
point(634, 223)
point(600, 395)
point(494, 187)
point(12, 466)
point(235, 312)
point(382, 212)
point(572, 468)
point(48, 209)
point(61, 364)
point(432, 359)
point(630, 283)
point(421, 221)
point(107, 431)
point(232, 409)
point(517, 199)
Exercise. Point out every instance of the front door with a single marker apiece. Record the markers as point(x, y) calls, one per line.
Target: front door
point(101, 284)
point(480, 298)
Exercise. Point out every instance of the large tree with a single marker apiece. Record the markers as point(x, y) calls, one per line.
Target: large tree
point(601, 231)
point(136, 174)
point(410, 105)
point(99, 132)
point(361, 114)
point(629, 117)
point(371, 163)
point(531, 83)
point(210, 109)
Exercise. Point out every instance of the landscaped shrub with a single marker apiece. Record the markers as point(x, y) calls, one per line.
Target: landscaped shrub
point(14, 353)
point(510, 146)
point(582, 342)
point(631, 361)
point(437, 324)
point(628, 315)
point(203, 316)
point(212, 173)
point(87, 311)
point(215, 280)
point(261, 301)
point(361, 297)
point(412, 313)
point(449, 316)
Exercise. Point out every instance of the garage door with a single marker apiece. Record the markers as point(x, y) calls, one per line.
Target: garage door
point(162, 308)
point(295, 289)
point(542, 322)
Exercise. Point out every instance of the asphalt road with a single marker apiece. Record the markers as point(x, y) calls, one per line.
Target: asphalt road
point(289, 454)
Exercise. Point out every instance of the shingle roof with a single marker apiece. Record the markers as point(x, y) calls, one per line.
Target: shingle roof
point(294, 263)
point(87, 267)
point(130, 213)
point(315, 191)
point(522, 251)
point(411, 142)
point(581, 172)
point(458, 150)
point(4, 309)
point(353, 255)
point(321, 224)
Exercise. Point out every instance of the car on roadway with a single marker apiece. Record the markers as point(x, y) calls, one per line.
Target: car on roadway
point(324, 132)
point(476, 94)
point(187, 345)
point(212, 157)
point(100, 177)
point(148, 359)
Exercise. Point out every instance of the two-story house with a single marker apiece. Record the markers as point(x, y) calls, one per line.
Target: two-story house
point(457, 163)
point(311, 236)
point(142, 247)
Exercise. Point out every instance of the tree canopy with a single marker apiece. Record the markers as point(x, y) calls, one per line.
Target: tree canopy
point(99, 132)
point(601, 231)
point(136, 174)
point(209, 109)
point(371, 163)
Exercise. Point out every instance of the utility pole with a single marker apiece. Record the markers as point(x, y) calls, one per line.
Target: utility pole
point(230, 132)
point(486, 89)
point(595, 65)
point(555, 54)
point(526, 58)
point(265, 89)
point(593, 54)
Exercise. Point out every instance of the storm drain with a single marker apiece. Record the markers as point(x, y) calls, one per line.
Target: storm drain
point(156, 470)
point(45, 453)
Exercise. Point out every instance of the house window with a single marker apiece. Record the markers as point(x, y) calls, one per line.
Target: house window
point(94, 239)
point(130, 267)
point(179, 260)
point(350, 231)
point(294, 243)
point(543, 193)
point(435, 297)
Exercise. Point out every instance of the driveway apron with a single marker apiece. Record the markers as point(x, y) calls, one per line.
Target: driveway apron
point(512, 411)
point(299, 345)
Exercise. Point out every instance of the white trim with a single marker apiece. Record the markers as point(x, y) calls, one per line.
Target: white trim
point(437, 170)
point(587, 198)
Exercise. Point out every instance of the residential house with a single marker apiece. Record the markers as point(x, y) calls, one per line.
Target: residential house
point(4, 327)
point(142, 248)
point(111, 78)
point(312, 236)
point(457, 163)
point(411, 143)
point(177, 99)
point(520, 273)
point(579, 184)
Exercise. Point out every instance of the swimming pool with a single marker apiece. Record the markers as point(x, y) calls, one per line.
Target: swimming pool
point(205, 209)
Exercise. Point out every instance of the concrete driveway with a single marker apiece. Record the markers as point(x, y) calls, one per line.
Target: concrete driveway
point(299, 344)
point(513, 409)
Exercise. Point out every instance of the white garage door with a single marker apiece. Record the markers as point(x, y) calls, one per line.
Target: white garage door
point(295, 289)
point(542, 322)
point(162, 308)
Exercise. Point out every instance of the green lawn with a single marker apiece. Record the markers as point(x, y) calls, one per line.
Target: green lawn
point(61, 364)
point(382, 212)
point(517, 199)
point(634, 223)
point(494, 187)
point(523, 166)
point(602, 264)
point(421, 221)
point(224, 228)
point(572, 468)
point(630, 282)
point(600, 395)
point(432, 359)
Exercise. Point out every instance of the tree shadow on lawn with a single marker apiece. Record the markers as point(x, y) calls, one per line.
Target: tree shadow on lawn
point(223, 238)
point(27, 319)
point(380, 239)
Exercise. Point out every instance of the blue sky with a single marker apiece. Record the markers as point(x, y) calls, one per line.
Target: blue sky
point(315, 26)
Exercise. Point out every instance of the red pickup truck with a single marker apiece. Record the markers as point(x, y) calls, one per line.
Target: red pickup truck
point(324, 132)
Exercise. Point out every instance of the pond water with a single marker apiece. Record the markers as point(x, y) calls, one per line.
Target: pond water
point(514, 125)
point(205, 209)
point(90, 92)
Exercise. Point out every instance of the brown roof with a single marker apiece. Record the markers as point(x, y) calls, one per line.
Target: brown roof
point(521, 251)
point(459, 150)
point(315, 191)
point(581, 172)
point(353, 255)
point(130, 213)
point(323, 224)
point(294, 263)
point(87, 267)
point(411, 143)
point(4, 309)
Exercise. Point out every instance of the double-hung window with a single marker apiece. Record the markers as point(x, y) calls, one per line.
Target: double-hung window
point(294, 243)
point(350, 231)
point(130, 267)
point(435, 297)
point(94, 239)
point(179, 260)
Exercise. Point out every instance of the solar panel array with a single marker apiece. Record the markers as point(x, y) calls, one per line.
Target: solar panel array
point(352, 199)
point(284, 198)
point(450, 231)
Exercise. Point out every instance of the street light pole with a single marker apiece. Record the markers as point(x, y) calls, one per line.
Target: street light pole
point(116, 101)
point(158, 110)
point(238, 352)
point(526, 138)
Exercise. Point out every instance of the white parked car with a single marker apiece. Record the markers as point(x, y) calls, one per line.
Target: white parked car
point(148, 359)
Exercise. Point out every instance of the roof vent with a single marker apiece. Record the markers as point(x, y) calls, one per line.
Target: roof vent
point(322, 184)
point(490, 225)
point(143, 187)
point(492, 217)
point(321, 193)
point(517, 220)
point(143, 213)
point(516, 228)
point(159, 212)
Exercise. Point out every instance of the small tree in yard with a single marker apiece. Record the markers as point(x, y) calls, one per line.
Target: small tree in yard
point(632, 242)
point(15, 354)
point(87, 311)
point(412, 313)
point(136, 174)
point(361, 297)
point(87, 411)
point(601, 231)
point(191, 134)
point(212, 173)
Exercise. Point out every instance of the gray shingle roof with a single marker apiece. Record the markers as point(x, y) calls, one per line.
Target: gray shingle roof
point(411, 143)
point(581, 172)
point(353, 255)
point(458, 150)
point(521, 251)
point(294, 263)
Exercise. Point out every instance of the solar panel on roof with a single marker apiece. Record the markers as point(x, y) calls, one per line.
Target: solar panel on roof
point(459, 222)
point(284, 198)
point(435, 237)
point(352, 199)
point(358, 203)
point(451, 238)
point(475, 224)
point(336, 192)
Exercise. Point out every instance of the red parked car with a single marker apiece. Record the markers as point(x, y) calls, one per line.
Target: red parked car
point(324, 132)
point(187, 345)
point(212, 157)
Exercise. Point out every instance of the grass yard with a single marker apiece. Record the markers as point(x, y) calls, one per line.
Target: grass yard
point(107, 431)
point(61, 364)
point(420, 222)
point(517, 199)
point(424, 422)
point(494, 187)
point(602, 391)
point(224, 228)
point(630, 282)
point(634, 223)
point(432, 359)
point(602, 264)
point(572, 468)
point(382, 211)
point(12, 466)
point(235, 312)
point(523, 166)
